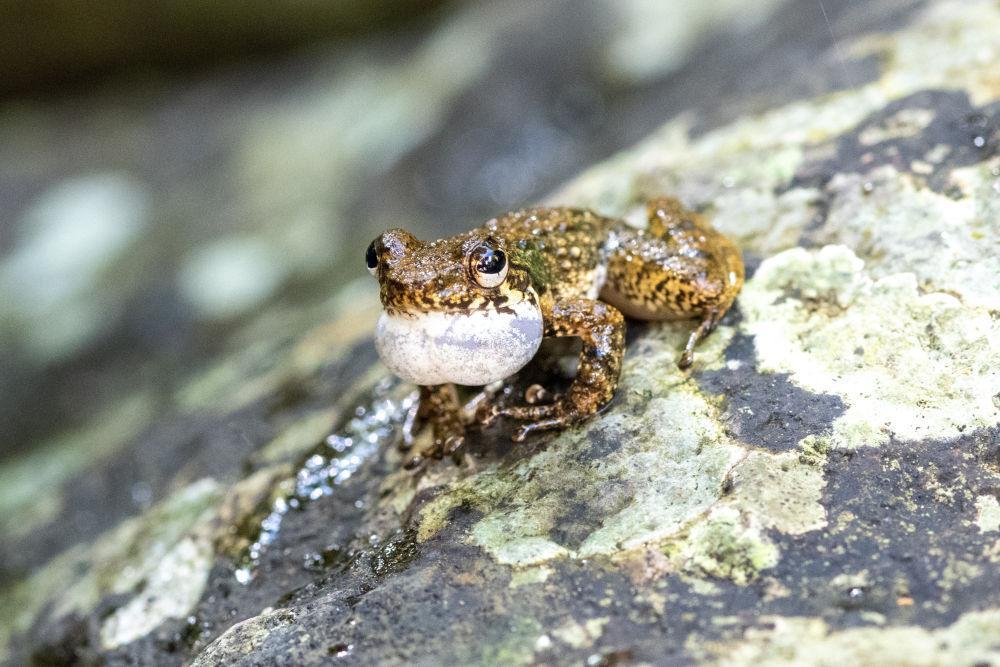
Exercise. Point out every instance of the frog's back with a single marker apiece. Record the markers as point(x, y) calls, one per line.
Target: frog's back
point(564, 246)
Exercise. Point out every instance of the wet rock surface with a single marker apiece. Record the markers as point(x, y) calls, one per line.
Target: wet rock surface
point(821, 486)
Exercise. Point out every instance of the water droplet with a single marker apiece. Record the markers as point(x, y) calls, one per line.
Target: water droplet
point(374, 426)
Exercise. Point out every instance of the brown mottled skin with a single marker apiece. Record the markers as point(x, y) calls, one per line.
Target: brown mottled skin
point(677, 268)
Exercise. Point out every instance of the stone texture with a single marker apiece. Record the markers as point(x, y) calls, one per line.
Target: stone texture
point(821, 488)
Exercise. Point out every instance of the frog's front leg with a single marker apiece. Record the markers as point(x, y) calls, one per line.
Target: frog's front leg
point(440, 408)
point(601, 327)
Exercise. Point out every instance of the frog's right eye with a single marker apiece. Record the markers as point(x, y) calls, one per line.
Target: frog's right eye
point(371, 258)
point(488, 264)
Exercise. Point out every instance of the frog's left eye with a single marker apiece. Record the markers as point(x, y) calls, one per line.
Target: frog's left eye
point(488, 265)
point(371, 259)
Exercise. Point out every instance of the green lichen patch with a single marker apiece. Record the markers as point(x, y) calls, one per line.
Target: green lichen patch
point(781, 491)
point(246, 637)
point(887, 218)
point(726, 546)
point(971, 640)
point(638, 473)
point(906, 363)
point(139, 558)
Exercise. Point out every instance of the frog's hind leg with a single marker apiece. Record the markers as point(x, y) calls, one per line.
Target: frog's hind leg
point(678, 268)
point(602, 330)
point(439, 407)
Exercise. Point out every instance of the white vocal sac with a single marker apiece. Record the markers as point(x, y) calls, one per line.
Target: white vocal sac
point(474, 348)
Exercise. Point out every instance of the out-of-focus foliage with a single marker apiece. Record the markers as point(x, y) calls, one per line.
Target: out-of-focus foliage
point(48, 41)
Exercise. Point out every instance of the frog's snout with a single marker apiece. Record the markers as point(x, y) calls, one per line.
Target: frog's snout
point(474, 348)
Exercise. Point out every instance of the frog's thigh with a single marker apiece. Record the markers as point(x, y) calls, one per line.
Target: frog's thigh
point(644, 283)
point(602, 329)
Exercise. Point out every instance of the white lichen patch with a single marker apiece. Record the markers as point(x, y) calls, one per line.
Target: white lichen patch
point(122, 560)
point(987, 513)
point(896, 225)
point(971, 640)
point(61, 286)
point(677, 477)
point(651, 39)
point(581, 635)
point(522, 551)
point(171, 590)
point(134, 558)
point(780, 491)
point(907, 364)
point(904, 123)
point(231, 276)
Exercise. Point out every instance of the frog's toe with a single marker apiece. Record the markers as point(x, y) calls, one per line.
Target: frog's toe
point(414, 462)
point(486, 414)
point(536, 394)
point(530, 412)
point(541, 425)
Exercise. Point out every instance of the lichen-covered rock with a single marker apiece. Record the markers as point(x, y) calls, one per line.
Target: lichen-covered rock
point(820, 488)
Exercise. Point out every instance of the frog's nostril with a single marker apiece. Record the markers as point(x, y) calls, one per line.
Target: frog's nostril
point(398, 241)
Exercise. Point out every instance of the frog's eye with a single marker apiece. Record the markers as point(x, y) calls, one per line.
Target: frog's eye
point(371, 259)
point(488, 265)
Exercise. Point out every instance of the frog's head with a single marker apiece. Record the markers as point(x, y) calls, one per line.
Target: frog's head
point(456, 310)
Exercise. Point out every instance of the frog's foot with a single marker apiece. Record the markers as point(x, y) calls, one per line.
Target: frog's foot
point(602, 329)
point(545, 418)
point(536, 394)
point(444, 445)
point(706, 327)
point(540, 418)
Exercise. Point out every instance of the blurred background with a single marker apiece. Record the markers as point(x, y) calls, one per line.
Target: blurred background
point(172, 173)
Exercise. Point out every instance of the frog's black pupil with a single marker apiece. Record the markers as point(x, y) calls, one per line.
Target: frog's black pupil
point(491, 261)
point(371, 257)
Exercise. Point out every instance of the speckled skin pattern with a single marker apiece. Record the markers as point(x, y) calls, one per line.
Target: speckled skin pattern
point(563, 260)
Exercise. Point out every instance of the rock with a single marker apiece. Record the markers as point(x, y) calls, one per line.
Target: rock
point(819, 488)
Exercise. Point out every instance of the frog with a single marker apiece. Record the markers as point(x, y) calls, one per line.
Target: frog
point(473, 309)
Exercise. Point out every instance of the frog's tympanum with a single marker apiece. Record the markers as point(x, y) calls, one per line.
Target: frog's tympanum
point(472, 309)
